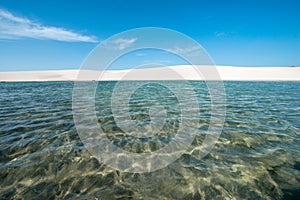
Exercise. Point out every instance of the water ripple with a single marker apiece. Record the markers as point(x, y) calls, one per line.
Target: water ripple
point(256, 157)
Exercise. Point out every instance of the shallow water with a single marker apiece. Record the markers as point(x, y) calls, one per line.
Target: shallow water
point(256, 156)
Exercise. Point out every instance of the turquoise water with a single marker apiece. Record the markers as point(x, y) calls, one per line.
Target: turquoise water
point(256, 156)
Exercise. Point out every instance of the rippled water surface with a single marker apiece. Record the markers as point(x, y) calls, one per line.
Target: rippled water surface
point(256, 156)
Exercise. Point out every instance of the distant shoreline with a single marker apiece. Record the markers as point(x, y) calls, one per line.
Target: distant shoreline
point(183, 72)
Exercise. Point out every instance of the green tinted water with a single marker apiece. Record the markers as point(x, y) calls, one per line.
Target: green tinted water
point(256, 157)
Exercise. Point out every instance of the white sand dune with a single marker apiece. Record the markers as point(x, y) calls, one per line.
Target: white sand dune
point(163, 73)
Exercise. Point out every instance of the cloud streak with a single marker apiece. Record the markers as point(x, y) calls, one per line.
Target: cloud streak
point(225, 34)
point(14, 27)
point(122, 43)
point(190, 51)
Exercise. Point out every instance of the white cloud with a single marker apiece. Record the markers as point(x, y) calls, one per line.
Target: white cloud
point(225, 34)
point(121, 43)
point(140, 54)
point(13, 27)
point(187, 50)
point(220, 34)
point(157, 61)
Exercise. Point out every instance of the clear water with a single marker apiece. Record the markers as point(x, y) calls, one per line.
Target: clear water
point(256, 157)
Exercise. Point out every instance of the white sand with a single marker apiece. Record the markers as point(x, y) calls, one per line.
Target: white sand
point(164, 73)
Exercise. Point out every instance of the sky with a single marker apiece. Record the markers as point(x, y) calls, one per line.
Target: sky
point(54, 35)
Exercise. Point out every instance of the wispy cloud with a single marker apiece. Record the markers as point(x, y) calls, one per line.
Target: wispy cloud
point(14, 27)
point(187, 50)
point(140, 54)
point(120, 43)
point(157, 61)
point(220, 34)
point(225, 34)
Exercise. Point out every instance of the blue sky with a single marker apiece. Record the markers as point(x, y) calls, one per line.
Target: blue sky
point(50, 35)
